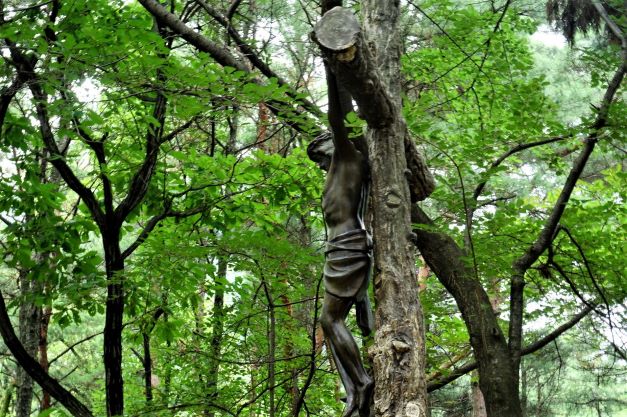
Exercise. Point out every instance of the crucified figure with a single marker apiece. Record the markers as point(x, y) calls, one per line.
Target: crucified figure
point(348, 253)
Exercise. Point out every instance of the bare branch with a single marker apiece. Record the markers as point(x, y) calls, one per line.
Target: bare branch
point(531, 348)
point(25, 66)
point(610, 23)
point(72, 346)
point(558, 331)
point(253, 57)
point(34, 369)
point(544, 239)
point(232, 9)
point(518, 148)
point(285, 111)
point(170, 20)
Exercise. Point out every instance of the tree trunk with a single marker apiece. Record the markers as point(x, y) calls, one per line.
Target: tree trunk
point(523, 388)
point(30, 365)
point(217, 334)
point(271, 350)
point(147, 363)
point(368, 66)
point(43, 354)
point(29, 319)
point(114, 264)
point(399, 348)
point(7, 396)
point(497, 378)
point(288, 352)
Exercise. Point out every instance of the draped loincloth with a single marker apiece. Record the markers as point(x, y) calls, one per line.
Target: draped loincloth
point(347, 265)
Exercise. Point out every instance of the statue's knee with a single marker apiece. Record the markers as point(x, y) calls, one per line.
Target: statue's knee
point(326, 321)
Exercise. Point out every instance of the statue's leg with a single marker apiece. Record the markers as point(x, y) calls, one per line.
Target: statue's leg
point(346, 353)
point(349, 387)
point(365, 319)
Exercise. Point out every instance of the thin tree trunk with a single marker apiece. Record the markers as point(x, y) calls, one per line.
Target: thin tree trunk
point(43, 353)
point(399, 348)
point(262, 127)
point(523, 388)
point(167, 377)
point(7, 396)
point(147, 355)
point(271, 360)
point(271, 350)
point(29, 319)
point(288, 352)
point(217, 334)
point(114, 265)
point(496, 371)
point(147, 363)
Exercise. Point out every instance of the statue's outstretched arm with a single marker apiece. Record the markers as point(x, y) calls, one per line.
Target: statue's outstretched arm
point(340, 104)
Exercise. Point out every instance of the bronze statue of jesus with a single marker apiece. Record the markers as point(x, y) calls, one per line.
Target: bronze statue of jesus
point(348, 252)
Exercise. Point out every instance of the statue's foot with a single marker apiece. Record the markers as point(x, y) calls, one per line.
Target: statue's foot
point(364, 395)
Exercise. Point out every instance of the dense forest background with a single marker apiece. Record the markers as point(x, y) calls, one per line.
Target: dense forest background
point(154, 183)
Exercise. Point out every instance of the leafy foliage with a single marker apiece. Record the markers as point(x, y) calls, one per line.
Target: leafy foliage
point(223, 254)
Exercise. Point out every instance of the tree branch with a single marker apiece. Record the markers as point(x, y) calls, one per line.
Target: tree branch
point(26, 67)
point(253, 57)
point(338, 33)
point(141, 180)
point(139, 184)
point(7, 95)
point(610, 23)
point(587, 265)
point(98, 147)
point(232, 9)
point(143, 235)
point(170, 20)
point(281, 109)
point(529, 349)
point(542, 342)
point(72, 346)
point(515, 150)
point(174, 133)
point(524, 262)
point(34, 369)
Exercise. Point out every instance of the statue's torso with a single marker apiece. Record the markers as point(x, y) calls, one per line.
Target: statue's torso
point(343, 194)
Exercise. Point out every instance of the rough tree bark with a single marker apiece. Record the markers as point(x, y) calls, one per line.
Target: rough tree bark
point(498, 360)
point(399, 356)
point(477, 401)
point(29, 319)
point(46, 401)
point(371, 76)
point(34, 369)
point(496, 371)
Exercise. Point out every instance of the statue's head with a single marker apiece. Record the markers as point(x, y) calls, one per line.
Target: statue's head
point(320, 150)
